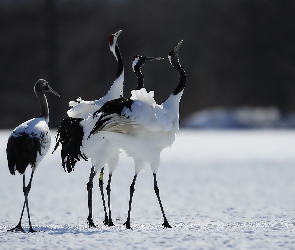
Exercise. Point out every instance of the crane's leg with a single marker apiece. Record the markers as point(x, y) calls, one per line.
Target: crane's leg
point(110, 221)
point(132, 189)
point(89, 189)
point(26, 192)
point(100, 182)
point(18, 227)
point(166, 223)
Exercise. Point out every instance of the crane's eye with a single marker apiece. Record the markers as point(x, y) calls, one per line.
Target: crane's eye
point(45, 86)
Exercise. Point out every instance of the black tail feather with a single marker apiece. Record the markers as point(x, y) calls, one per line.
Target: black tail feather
point(70, 136)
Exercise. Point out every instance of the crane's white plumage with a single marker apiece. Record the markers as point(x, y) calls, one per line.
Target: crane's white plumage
point(28, 144)
point(80, 108)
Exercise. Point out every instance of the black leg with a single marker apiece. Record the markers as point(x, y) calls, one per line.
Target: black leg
point(166, 223)
point(110, 222)
point(89, 189)
point(132, 189)
point(26, 192)
point(100, 182)
point(18, 227)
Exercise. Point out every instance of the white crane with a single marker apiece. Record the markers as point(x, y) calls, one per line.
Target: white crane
point(28, 144)
point(81, 108)
point(142, 128)
point(71, 129)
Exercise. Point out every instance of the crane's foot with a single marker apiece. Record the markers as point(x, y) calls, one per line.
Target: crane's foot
point(166, 224)
point(90, 222)
point(32, 230)
point(127, 224)
point(106, 220)
point(17, 228)
point(110, 223)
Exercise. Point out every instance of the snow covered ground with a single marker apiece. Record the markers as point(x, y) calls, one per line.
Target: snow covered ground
point(240, 118)
point(220, 190)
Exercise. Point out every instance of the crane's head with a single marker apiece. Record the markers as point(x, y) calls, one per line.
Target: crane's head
point(113, 40)
point(139, 61)
point(173, 54)
point(42, 86)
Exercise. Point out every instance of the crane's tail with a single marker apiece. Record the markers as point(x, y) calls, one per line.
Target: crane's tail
point(114, 123)
point(70, 136)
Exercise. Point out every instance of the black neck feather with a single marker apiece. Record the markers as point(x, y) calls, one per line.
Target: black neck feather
point(120, 61)
point(182, 78)
point(44, 111)
point(174, 60)
point(139, 75)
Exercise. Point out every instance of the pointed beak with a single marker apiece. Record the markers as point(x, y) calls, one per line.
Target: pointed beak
point(117, 33)
point(53, 91)
point(178, 46)
point(149, 59)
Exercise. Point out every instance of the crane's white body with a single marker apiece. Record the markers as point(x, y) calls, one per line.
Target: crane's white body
point(142, 131)
point(35, 128)
point(82, 109)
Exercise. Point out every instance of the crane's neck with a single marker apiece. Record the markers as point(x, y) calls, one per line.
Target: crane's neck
point(176, 94)
point(140, 78)
point(44, 110)
point(116, 89)
point(171, 105)
point(182, 79)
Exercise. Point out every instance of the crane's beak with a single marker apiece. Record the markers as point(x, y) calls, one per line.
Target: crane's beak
point(149, 59)
point(53, 91)
point(117, 33)
point(177, 46)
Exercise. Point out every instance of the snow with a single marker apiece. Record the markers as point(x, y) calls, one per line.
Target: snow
point(239, 118)
point(220, 190)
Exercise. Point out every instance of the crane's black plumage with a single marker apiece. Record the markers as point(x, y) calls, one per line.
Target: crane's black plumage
point(21, 152)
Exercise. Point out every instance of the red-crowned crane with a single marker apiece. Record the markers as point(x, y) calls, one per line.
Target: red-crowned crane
point(71, 131)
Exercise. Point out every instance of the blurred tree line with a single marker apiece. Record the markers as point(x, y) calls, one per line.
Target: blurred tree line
point(235, 52)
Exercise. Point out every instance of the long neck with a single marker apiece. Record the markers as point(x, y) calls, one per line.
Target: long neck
point(44, 111)
point(182, 78)
point(171, 105)
point(120, 61)
point(116, 89)
point(140, 78)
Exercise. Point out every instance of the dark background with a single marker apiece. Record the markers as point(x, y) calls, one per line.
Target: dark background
point(235, 52)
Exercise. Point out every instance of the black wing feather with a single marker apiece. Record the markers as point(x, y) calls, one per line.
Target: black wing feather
point(21, 151)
